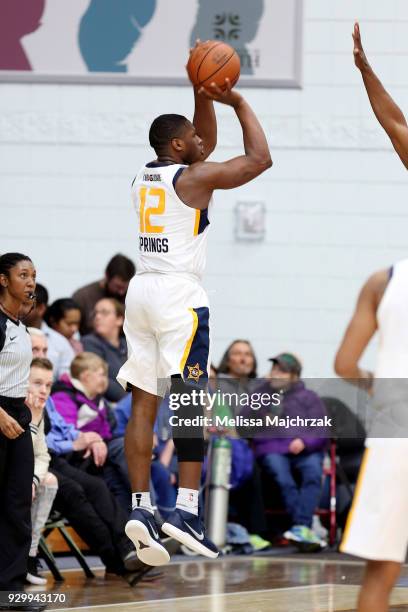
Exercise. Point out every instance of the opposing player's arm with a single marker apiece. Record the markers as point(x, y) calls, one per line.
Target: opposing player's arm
point(360, 330)
point(385, 109)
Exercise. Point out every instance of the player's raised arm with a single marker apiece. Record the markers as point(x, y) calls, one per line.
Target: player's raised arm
point(386, 110)
point(204, 120)
point(201, 178)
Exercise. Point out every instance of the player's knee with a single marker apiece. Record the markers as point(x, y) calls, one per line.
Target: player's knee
point(189, 449)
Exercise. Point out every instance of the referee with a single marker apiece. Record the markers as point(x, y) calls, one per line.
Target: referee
point(17, 286)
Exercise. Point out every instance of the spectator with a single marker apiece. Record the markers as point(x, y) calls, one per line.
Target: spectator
point(45, 484)
point(236, 375)
point(64, 316)
point(39, 342)
point(107, 342)
point(60, 352)
point(79, 400)
point(286, 453)
point(83, 499)
point(118, 273)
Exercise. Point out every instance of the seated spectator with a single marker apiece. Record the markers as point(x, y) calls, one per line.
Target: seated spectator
point(64, 316)
point(78, 397)
point(60, 352)
point(284, 454)
point(115, 283)
point(45, 484)
point(107, 342)
point(237, 374)
point(83, 499)
point(39, 342)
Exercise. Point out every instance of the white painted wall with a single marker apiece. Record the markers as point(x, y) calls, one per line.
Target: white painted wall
point(336, 196)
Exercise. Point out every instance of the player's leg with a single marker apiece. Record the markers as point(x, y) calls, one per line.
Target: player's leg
point(139, 439)
point(141, 527)
point(379, 580)
point(377, 528)
point(184, 354)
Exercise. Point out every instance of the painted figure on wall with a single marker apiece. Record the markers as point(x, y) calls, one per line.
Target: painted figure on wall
point(235, 22)
point(109, 30)
point(17, 18)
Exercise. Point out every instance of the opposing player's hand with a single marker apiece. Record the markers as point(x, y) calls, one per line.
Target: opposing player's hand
point(360, 58)
point(225, 96)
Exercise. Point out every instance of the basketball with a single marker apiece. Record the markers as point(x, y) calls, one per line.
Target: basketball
point(213, 62)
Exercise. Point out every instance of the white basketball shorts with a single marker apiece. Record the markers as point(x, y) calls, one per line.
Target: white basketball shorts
point(167, 332)
point(377, 525)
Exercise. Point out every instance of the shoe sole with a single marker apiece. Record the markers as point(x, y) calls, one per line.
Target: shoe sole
point(154, 554)
point(188, 540)
point(35, 579)
point(303, 545)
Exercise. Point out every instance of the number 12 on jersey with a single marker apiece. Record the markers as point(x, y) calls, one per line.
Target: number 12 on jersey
point(152, 202)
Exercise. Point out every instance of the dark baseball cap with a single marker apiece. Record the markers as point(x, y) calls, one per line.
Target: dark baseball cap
point(288, 363)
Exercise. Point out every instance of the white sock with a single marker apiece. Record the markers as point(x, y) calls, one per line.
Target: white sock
point(187, 499)
point(142, 500)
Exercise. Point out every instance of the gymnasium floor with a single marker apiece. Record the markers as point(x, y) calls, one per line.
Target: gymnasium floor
point(326, 583)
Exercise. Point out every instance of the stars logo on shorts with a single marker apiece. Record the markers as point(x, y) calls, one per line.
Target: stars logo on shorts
point(194, 372)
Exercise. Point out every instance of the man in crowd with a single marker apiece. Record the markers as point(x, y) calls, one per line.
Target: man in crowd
point(287, 451)
point(115, 283)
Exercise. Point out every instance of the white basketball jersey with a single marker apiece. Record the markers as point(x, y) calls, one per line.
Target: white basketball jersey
point(172, 235)
point(392, 317)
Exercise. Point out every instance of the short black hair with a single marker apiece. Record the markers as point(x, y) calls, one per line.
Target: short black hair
point(41, 295)
point(164, 128)
point(121, 266)
point(57, 310)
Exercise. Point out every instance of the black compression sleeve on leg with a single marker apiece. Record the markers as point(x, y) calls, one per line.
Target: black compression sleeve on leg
point(187, 428)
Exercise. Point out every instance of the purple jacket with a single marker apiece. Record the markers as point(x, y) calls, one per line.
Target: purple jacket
point(296, 401)
point(85, 414)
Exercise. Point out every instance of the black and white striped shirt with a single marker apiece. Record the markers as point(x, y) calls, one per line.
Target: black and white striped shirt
point(15, 357)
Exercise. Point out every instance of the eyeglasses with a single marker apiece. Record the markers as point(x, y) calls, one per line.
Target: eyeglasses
point(104, 313)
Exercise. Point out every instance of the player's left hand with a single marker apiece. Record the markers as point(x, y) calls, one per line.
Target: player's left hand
point(360, 58)
point(197, 44)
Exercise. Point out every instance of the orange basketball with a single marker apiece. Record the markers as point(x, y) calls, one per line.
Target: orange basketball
point(213, 62)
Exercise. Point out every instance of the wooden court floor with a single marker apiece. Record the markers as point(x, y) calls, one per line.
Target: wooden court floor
point(231, 584)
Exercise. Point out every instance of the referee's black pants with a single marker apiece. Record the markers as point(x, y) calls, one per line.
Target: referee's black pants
point(16, 478)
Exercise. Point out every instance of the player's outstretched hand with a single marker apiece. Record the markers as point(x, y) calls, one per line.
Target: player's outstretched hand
point(360, 58)
point(225, 96)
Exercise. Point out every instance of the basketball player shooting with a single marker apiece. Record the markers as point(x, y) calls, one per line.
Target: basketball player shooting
point(377, 527)
point(167, 311)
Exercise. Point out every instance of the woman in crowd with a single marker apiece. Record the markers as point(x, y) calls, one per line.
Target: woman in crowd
point(107, 342)
point(236, 375)
point(17, 287)
point(64, 317)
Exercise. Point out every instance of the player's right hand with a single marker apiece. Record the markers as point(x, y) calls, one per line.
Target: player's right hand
point(360, 58)
point(226, 96)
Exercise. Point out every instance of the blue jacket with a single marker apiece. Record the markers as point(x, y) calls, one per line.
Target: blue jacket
point(62, 435)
